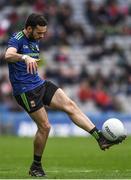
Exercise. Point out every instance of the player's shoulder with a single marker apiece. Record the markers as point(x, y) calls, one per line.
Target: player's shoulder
point(16, 40)
point(18, 36)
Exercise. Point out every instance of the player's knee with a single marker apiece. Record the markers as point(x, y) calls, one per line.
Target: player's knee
point(70, 107)
point(45, 127)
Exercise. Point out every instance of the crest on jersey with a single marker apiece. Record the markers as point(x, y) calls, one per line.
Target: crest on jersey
point(37, 47)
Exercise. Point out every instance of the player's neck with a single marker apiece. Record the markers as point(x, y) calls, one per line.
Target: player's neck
point(26, 33)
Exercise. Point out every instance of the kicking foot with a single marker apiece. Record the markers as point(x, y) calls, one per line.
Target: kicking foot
point(106, 144)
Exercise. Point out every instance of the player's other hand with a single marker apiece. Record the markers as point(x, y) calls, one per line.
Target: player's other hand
point(31, 65)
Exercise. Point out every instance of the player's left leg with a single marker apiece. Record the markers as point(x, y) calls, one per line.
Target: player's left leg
point(62, 102)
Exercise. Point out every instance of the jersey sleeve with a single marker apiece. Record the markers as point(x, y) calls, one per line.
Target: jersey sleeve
point(13, 42)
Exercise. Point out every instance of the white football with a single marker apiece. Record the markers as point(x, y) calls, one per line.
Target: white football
point(113, 128)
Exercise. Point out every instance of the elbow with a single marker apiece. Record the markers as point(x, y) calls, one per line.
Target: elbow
point(7, 57)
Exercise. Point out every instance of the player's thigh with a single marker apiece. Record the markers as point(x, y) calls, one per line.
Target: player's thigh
point(41, 119)
point(61, 101)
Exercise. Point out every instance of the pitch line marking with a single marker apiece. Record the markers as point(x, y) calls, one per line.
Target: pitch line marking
point(85, 171)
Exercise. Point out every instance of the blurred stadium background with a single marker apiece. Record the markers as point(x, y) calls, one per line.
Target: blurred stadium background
point(87, 52)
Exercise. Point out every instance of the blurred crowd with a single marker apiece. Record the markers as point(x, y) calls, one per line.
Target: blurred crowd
point(87, 50)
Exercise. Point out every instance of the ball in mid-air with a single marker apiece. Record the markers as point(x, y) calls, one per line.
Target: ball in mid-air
point(113, 128)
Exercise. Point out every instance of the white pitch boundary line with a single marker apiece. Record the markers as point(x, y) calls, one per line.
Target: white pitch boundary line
point(86, 171)
point(71, 171)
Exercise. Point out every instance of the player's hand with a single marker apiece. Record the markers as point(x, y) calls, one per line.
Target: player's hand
point(31, 65)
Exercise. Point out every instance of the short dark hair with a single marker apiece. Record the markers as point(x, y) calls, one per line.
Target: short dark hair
point(35, 19)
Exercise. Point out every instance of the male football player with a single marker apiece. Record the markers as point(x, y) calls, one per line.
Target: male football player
point(32, 92)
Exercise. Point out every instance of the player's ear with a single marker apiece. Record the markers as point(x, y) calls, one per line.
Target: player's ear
point(29, 29)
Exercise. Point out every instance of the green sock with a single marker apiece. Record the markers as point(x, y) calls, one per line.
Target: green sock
point(95, 133)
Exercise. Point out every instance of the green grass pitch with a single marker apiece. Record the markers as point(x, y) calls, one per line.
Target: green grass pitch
point(66, 158)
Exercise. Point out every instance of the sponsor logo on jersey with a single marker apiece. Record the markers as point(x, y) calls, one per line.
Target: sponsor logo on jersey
point(25, 47)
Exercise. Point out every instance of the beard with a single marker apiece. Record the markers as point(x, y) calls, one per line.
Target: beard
point(31, 36)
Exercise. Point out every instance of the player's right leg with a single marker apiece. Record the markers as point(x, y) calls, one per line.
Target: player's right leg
point(41, 119)
point(31, 101)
